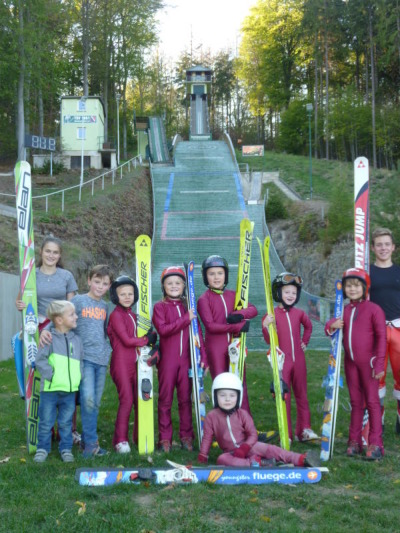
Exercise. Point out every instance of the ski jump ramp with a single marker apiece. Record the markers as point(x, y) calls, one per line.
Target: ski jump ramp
point(198, 205)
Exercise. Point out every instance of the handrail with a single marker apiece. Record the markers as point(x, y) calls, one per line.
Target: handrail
point(80, 185)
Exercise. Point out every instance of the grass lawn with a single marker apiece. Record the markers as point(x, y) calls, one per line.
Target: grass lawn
point(354, 496)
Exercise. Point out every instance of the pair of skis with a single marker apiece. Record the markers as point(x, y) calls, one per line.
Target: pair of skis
point(30, 322)
point(196, 371)
point(180, 474)
point(276, 356)
point(145, 372)
point(332, 381)
point(237, 348)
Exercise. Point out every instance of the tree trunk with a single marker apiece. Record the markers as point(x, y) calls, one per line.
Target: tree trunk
point(371, 44)
point(21, 82)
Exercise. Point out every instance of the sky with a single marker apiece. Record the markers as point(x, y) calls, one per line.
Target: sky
point(213, 24)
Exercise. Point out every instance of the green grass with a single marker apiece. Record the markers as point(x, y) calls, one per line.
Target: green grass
point(354, 496)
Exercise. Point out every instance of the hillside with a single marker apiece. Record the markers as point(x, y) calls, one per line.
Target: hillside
point(100, 229)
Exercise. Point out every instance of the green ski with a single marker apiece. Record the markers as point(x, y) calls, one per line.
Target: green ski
point(30, 322)
point(145, 372)
point(276, 360)
point(237, 348)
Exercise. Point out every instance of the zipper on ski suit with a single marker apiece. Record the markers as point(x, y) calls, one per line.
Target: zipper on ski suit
point(351, 332)
point(231, 433)
point(229, 336)
point(291, 334)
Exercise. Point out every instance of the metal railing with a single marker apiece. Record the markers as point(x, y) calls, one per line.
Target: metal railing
point(134, 161)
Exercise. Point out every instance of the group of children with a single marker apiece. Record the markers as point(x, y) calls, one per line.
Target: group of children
point(75, 354)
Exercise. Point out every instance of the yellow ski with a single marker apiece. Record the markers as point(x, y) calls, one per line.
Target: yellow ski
point(237, 349)
point(274, 344)
point(145, 372)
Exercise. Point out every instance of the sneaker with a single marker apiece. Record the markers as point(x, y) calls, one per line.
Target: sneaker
point(267, 436)
point(76, 438)
point(67, 457)
point(353, 449)
point(307, 434)
point(312, 459)
point(40, 456)
point(165, 446)
point(187, 444)
point(94, 452)
point(268, 463)
point(122, 447)
point(373, 453)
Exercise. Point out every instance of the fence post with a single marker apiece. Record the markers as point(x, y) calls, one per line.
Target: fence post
point(80, 192)
point(62, 201)
point(92, 187)
point(102, 182)
point(47, 203)
point(121, 174)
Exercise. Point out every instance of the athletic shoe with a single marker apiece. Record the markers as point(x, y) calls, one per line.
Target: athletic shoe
point(307, 434)
point(76, 437)
point(94, 452)
point(353, 449)
point(67, 457)
point(165, 446)
point(187, 444)
point(312, 459)
point(373, 453)
point(40, 456)
point(267, 436)
point(122, 447)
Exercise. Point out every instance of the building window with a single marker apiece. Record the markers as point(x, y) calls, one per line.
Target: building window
point(81, 134)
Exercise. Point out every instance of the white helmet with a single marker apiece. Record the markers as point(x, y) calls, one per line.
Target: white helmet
point(226, 380)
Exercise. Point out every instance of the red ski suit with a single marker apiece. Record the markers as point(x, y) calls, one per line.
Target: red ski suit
point(294, 373)
point(171, 319)
point(364, 341)
point(213, 309)
point(125, 345)
point(230, 431)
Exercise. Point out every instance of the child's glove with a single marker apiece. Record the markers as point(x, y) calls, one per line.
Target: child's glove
point(154, 356)
point(151, 337)
point(246, 327)
point(242, 451)
point(234, 319)
point(202, 458)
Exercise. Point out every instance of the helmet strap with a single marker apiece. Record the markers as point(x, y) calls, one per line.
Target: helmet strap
point(217, 291)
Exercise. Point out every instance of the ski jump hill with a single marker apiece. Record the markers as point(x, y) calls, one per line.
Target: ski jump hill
point(198, 205)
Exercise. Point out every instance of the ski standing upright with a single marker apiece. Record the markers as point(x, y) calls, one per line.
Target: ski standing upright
point(361, 238)
point(332, 382)
point(196, 372)
point(237, 348)
point(276, 356)
point(30, 322)
point(145, 372)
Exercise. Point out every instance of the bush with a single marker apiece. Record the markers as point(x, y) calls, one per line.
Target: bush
point(309, 227)
point(275, 208)
point(58, 167)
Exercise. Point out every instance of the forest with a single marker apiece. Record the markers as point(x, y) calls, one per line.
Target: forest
point(341, 57)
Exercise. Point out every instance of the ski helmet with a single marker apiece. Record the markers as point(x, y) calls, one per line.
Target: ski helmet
point(286, 278)
point(214, 261)
point(123, 280)
point(230, 381)
point(171, 271)
point(360, 274)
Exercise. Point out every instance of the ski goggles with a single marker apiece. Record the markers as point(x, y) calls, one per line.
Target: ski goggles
point(289, 278)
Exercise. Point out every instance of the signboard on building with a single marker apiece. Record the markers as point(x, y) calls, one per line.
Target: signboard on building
point(80, 119)
point(253, 150)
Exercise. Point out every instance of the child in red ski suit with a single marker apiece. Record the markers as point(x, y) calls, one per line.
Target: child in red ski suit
point(286, 290)
point(122, 331)
point(234, 430)
point(221, 322)
point(172, 320)
point(364, 341)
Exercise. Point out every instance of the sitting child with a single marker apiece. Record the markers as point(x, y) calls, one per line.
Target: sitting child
point(234, 430)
